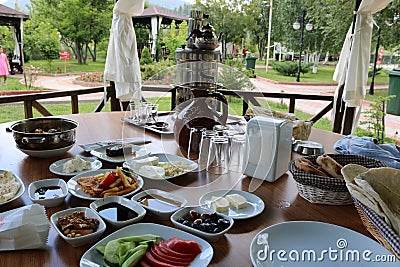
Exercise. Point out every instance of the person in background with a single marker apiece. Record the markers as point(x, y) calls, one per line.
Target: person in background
point(244, 52)
point(4, 66)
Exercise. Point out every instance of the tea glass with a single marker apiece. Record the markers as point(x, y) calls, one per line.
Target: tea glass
point(218, 156)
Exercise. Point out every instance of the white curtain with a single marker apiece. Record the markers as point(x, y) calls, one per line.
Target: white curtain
point(122, 61)
point(353, 65)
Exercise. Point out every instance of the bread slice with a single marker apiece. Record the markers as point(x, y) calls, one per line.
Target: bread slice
point(237, 201)
point(220, 204)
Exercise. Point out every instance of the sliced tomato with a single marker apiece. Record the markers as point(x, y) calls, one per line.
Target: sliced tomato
point(144, 263)
point(160, 258)
point(158, 250)
point(164, 248)
point(111, 178)
point(154, 262)
point(184, 246)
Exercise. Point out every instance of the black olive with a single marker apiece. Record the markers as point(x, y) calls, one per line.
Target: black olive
point(193, 215)
point(214, 217)
point(205, 216)
point(207, 221)
point(198, 221)
point(224, 223)
point(217, 230)
point(180, 220)
point(186, 222)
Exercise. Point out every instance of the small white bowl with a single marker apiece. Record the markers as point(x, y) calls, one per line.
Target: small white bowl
point(211, 237)
point(159, 213)
point(50, 201)
point(132, 205)
point(82, 240)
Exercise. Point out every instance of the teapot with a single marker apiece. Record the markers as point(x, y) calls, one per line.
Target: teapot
point(206, 38)
point(199, 113)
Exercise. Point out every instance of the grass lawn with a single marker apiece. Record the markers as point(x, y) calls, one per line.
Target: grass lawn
point(324, 74)
point(71, 65)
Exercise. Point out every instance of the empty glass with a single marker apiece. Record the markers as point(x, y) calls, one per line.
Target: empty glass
point(152, 112)
point(237, 152)
point(204, 149)
point(218, 156)
point(194, 142)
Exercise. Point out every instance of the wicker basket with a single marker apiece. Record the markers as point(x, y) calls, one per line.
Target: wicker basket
point(379, 228)
point(328, 190)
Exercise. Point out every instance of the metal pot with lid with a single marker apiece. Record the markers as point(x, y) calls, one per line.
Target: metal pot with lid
point(44, 133)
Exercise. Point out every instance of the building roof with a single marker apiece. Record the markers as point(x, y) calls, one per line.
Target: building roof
point(6, 12)
point(167, 16)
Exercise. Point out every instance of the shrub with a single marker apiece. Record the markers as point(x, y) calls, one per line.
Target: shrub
point(290, 68)
point(145, 57)
point(154, 69)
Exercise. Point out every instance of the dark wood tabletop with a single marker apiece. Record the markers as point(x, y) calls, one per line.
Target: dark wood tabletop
point(231, 250)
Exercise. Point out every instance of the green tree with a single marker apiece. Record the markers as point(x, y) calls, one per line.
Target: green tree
point(174, 37)
point(84, 23)
point(41, 40)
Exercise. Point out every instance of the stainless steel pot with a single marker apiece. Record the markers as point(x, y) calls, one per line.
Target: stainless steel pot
point(44, 133)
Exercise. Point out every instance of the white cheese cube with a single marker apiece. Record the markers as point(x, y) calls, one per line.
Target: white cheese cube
point(154, 172)
point(220, 204)
point(150, 161)
point(237, 201)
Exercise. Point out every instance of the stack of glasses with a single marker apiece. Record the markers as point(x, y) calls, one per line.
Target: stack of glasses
point(218, 150)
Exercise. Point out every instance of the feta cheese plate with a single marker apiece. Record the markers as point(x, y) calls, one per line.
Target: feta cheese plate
point(174, 166)
point(255, 205)
point(58, 166)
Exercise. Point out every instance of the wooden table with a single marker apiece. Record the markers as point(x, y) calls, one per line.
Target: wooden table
point(231, 250)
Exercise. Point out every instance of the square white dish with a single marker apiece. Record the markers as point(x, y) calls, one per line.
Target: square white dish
point(100, 153)
point(82, 240)
point(51, 201)
point(93, 258)
point(131, 205)
point(162, 157)
point(166, 213)
point(211, 237)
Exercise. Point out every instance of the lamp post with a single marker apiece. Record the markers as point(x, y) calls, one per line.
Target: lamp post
point(297, 25)
point(269, 34)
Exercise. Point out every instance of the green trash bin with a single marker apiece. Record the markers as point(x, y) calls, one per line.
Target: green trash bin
point(393, 105)
point(250, 62)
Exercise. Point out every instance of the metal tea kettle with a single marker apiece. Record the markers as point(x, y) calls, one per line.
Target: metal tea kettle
point(206, 38)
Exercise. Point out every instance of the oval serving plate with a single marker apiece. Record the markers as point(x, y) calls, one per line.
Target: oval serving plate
point(57, 167)
point(20, 191)
point(75, 189)
point(94, 258)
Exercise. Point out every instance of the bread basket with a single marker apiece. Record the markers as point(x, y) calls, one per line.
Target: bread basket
point(378, 228)
point(328, 190)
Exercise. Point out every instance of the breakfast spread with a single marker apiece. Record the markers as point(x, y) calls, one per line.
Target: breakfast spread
point(325, 166)
point(109, 184)
point(149, 250)
point(76, 164)
point(76, 224)
point(9, 186)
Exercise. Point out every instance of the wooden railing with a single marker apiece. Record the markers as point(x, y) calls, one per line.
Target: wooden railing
point(30, 101)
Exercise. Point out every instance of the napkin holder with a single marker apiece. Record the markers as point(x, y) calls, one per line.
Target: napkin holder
point(267, 148)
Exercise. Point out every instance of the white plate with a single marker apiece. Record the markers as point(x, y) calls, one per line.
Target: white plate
point(320, 244)
point(57, 167)
point(75, 189)
point(101, 154)
point(93, 258)
point(162, 157)
point(255, 205)
point(20, 191)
